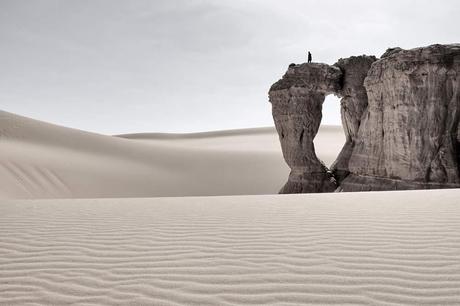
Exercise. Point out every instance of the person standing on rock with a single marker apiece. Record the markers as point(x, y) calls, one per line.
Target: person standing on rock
point(309, 57)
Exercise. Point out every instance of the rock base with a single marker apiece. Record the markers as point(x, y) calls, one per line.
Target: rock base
point(309, 183)
point(372, 183)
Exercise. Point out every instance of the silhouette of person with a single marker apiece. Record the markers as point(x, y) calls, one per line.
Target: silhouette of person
point(309, 57)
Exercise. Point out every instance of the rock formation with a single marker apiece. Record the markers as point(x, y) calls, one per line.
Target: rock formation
point(297, 101)
point(400, 115)
point(408, 138)
point(352, 106)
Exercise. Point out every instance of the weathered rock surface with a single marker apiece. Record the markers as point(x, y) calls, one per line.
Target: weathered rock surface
point(353, 104)
point(297, 101)
point(408, 138)
point(391, 51)
point(400, 115)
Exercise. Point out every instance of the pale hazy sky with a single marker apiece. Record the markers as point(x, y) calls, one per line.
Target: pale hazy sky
point(190, 65)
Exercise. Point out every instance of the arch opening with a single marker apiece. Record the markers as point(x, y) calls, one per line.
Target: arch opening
point(330, 138)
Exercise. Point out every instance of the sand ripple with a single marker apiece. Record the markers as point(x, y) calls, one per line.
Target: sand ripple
point(367, 248)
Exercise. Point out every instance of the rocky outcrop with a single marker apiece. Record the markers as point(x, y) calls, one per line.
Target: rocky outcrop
point(352, 106)
point(297, 101)
point(408, 138)
point(391, 51)
point(400, 115)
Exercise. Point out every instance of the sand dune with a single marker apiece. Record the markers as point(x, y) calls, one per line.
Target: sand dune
point(380, 248)
point(41, 160)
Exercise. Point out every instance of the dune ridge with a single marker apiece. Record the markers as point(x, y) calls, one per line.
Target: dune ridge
point(380, 248)
point(221, 133)
point(42, 160)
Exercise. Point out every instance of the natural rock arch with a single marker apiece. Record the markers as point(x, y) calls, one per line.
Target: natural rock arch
point(297, 101)
point(414, 90)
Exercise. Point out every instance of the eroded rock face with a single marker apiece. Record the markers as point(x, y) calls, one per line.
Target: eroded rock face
point(408, 138)
point(297, 101)
point(352, 106)
point(400, 115)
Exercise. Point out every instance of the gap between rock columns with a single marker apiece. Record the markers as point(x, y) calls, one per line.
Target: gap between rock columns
point(353, 105)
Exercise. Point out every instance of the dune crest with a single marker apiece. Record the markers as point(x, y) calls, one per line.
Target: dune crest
point(42, 160)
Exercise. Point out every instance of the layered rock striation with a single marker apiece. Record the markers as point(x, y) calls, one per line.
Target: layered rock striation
point(400, 115)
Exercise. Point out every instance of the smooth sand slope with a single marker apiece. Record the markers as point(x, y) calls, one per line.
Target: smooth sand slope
point(381, 248)
point(41, 160)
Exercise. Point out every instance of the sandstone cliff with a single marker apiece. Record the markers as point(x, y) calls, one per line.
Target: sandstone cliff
point(408, 138)
point(400, 116)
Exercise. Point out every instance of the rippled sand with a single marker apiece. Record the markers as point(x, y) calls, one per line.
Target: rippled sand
point(378, 248)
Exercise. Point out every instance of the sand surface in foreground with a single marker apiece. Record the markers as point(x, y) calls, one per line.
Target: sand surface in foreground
point(41, 160)
point(381, 248)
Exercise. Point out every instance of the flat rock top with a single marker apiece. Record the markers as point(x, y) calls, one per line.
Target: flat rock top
point(313, 76)
point(437, 57)
point(434, 54)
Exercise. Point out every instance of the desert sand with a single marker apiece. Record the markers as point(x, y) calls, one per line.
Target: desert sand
point(379, 248)
point(139, 247)
point(41, 160)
